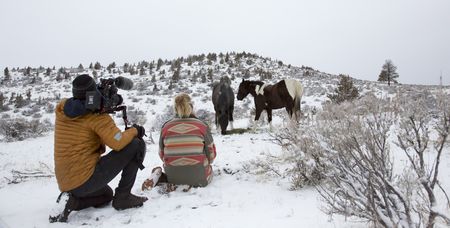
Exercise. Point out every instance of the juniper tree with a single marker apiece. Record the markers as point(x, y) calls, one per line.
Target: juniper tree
point(19, 102)
point(210, 74)
point(28, 71)
point(151, 66)
point(388, 73)
point(2, 100)
point(97, 66)
point(7, 75)
point(345, 91)
point(28, 94)
point(142, 71)
point(111, 66)
point(48, 71)
point(126, 67)
point(159, 64)
point(203, 78)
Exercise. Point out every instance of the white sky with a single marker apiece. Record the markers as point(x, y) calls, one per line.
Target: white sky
point(353, 37)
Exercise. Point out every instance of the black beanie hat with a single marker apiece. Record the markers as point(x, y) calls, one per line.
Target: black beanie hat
point(81, 84)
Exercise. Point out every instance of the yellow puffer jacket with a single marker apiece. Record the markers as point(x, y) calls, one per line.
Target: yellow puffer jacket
point(79, 143)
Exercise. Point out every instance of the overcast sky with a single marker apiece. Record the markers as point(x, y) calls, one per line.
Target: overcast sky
point(352, 37)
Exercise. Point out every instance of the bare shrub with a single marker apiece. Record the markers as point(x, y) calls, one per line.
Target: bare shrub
point(49, 108)
point(414, 140)
point(163, 117)
point(205, 115)
point(169, 113)
point(20, 128)
point(137, 116)
point(345, 153)
point(303, 155)
point(361, 181)
point(37, 115)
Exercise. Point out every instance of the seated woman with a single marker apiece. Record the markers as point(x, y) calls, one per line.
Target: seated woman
point(186, 148)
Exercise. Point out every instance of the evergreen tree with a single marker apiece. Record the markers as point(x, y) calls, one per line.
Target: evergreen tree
point(13, 96)
point(28, 94)
point(176, 75)
point(2, 101)
point(111, 66)
point(91, 66)
point(132, 70)
point(142, 71)
point(48, 72)
point(28, 71)
point(6, 74)
point(280, 63)
point(210, 74)
point(19, 102)
point(345, 91)
point(212, 57)
point(126, 67)
point(159, 64)
point(151, 66)
point(153, 79)
point(388, 73)
point(59, 77)
point(203, 78)
point(97, 66)
point(80, 67)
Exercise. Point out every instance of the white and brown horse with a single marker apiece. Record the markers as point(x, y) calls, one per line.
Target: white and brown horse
point(286, 93)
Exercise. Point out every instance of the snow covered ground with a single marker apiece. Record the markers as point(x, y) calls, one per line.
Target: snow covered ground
point(234, 198)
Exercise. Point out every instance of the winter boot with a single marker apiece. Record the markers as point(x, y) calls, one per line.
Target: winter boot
point(151, 182)
point(66, 203)
point(122, 201)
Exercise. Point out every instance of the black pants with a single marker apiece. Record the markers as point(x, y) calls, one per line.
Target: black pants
point(95, 191)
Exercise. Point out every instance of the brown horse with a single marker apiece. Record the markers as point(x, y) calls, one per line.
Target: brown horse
point(284, 94)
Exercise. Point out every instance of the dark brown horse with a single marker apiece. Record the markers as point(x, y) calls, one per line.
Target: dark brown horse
point(284, 94)
point(223, 100)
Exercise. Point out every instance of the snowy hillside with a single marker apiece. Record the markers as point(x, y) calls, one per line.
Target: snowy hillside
point(239, 196)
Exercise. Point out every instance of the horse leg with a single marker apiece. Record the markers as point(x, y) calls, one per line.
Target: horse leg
point(217, 124)
point(230, 117)
point(269, 117)
point(258, 114)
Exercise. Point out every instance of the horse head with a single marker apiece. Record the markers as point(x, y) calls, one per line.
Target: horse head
point(244, 89)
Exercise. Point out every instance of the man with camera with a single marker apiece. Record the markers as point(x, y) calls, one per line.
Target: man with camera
point(80, 138)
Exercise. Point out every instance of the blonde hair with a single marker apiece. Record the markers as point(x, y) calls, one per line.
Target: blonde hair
point(183, 105)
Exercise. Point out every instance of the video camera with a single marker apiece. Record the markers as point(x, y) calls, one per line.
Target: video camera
point(105, 98)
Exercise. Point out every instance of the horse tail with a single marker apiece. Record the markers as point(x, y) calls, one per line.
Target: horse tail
point(295, 89)
point(298, 97)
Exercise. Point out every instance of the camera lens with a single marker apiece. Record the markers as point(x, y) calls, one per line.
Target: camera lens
point(116, 99)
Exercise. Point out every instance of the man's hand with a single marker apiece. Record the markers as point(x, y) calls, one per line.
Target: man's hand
point(140, 130)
